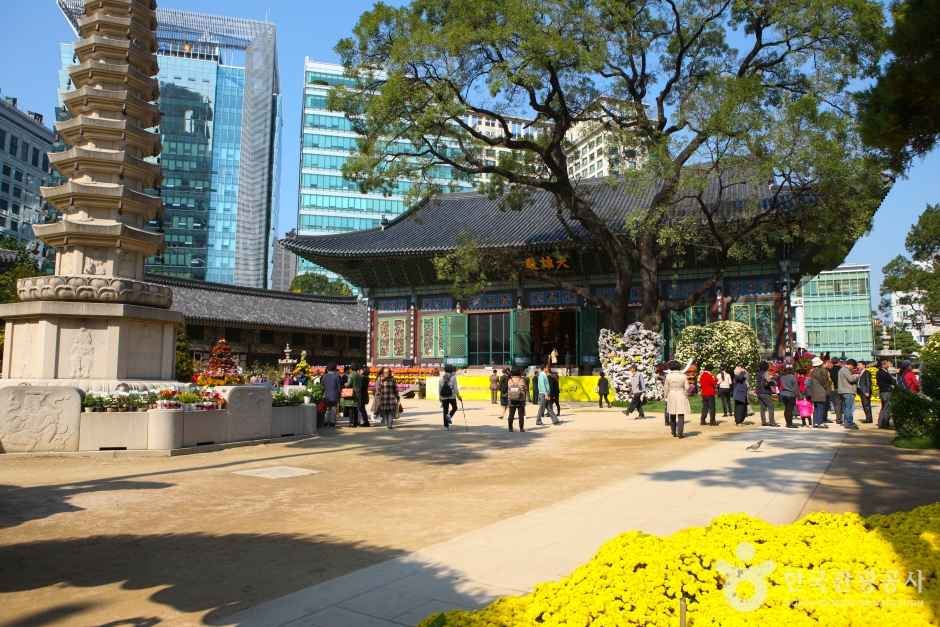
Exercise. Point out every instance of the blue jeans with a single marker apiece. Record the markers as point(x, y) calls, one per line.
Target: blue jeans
point(848, 409)
point(819, 412)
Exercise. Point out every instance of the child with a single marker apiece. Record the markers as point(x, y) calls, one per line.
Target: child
point(804, 405)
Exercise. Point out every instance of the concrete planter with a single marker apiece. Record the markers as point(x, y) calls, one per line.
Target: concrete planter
point(249, 416)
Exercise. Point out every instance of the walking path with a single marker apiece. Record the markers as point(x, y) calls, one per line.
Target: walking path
point(511, 556)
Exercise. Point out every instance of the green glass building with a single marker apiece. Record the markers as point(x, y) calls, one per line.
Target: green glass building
point(832, 313)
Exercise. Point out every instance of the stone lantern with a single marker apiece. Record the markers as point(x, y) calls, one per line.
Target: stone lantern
point(97, 323)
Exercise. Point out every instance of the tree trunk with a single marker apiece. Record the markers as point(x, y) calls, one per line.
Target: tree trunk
point(650, 314)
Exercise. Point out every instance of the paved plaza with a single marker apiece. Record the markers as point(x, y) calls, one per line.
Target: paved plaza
point(378, 527)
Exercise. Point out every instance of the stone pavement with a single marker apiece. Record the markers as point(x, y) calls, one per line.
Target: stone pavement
point(511, 556)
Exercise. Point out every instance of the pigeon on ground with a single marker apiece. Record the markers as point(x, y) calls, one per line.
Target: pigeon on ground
point(754, 446)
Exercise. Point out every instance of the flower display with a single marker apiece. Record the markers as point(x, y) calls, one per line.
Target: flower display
point(825, 569)
point(406, 376)
point(637, 345)
point(721, 345)
point(221, 368)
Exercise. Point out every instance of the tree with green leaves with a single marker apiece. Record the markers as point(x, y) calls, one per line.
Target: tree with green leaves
point(320, 285)
point(716, 96)
point(900, 114)
point(899, 338)
point(184, 358)
point(916, 280)
point(22, 268)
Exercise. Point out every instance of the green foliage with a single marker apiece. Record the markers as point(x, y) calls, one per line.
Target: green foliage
point(189, 397)
point(281, 399)
point(918, 415)
point(721, 345)
point(900, 339)
point(900, 115)
point(315, 392)
point(320, 285)
point(663, 79)
point(184, 359)
point(918, 277)
point(468, 271)
point(22, 268)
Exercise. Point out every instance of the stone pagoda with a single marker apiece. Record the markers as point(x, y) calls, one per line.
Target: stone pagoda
point(96, 323)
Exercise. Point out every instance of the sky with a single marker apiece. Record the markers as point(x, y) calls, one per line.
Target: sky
point(29, 71)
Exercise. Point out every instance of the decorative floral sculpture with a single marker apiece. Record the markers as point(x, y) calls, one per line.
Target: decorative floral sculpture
point(221, 368)
point(721, 345)
point(637, 345)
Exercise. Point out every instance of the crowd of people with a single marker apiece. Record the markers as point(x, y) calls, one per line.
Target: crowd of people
point(830, 385)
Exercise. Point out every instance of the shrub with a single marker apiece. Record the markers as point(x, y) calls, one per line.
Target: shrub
point(827, 569)
point(721, 345)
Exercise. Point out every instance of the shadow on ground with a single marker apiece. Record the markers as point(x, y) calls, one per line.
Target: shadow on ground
point(191, 572)
point(19, 505)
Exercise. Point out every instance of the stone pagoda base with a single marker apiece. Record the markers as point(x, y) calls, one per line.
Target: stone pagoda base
point(93, 346)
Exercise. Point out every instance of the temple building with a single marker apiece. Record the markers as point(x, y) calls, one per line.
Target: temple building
point(415, 320)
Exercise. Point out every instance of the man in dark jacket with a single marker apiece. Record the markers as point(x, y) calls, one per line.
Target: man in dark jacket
point(603, 391)
point(864, 390)
point(886, 385)
point(555, 386)
point(835, 399)
point(332, 384)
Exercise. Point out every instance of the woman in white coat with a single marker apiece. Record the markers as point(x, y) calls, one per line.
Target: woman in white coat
point(677, 398)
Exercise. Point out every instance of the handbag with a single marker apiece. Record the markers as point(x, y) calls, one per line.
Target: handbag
point(347, 393)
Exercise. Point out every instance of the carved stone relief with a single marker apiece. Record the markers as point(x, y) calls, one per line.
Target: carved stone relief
point(39, 419)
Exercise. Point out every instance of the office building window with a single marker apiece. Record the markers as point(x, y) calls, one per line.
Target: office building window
point(17, 192)
point(24, 153)
point(35, 159)
point(4, 204)
point(5, 187)
point(18, 175)
point(14, 145)
point(3, 139)
point(16, 209)
point(7, 170)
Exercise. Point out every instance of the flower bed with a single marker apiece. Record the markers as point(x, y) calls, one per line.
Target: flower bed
point(825, 569)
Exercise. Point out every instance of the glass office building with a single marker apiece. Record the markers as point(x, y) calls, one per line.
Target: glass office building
point(220, 125)
point(328, 202)
point(832, 313)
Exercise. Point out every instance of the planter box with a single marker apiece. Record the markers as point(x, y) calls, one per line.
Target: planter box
point(293, 420)
point(114, 430)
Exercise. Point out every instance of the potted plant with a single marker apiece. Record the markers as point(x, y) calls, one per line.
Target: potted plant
point(189, 399)
point(93, 403)
point(168, 399)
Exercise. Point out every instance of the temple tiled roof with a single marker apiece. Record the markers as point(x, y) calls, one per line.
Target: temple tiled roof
point(8, 257)
point(245, 306)
point(438, 225)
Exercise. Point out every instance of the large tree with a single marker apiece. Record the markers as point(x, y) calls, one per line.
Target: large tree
point(716, 95)
point(319, 284)
point(23, 267)
point(916, 279)
point(900, 113)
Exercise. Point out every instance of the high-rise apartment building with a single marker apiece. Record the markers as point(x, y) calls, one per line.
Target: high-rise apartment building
point(220, 126)
point(24, 167)
point(832, 312)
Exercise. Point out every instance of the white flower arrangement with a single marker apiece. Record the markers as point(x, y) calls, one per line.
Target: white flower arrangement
point(637, 345)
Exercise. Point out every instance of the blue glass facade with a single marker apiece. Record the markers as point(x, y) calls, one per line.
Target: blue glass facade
point(328, 202)
point(219, 209)
point(226, 154)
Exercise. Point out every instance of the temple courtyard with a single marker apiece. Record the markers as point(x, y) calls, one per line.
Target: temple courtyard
point(379, 527)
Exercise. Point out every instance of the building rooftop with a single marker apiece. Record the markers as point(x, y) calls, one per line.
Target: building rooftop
point(438, 225)
point(174, 23)
point(32, 121)
point(245, 306)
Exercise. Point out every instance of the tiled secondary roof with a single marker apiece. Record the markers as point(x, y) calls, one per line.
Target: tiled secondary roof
point(245, 306)
point(438, 225)
point(8, 257)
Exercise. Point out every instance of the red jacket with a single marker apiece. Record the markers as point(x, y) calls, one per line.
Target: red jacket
point(707, 383)
point(911, 381)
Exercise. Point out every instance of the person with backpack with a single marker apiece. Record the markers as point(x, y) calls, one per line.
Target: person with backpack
point(448, 392)
point(517, 391)
point(603, 391)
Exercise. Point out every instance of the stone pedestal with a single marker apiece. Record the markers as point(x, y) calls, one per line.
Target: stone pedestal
point(92, 345)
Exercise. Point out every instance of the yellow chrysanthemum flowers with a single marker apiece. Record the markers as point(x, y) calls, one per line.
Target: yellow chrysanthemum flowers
point(825, 569)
